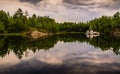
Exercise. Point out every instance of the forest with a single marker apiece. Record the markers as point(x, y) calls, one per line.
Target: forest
point(21, 22)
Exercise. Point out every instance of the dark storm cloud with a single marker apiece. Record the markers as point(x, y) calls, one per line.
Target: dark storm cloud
point(116, 0)
point(111, 4)
point(31, 1)
point(79, 2)
point(116, 4)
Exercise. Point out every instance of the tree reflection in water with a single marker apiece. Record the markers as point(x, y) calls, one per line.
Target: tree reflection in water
point(19, 44)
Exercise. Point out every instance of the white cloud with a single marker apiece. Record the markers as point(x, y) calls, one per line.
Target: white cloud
point(63, 10)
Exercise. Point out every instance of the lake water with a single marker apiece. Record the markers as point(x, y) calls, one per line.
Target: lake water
point(63, 54)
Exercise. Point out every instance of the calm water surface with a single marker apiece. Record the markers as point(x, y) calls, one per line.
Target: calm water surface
point(59, 55)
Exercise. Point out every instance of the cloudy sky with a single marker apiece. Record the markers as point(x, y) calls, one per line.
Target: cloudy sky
point(64, 10)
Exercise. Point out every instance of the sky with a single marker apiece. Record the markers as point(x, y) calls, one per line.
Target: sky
point(64, 10)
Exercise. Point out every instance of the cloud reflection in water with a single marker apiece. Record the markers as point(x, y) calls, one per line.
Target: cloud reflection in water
point(68, 58)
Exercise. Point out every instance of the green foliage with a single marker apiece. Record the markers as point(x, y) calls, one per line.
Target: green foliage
point(2, 27)
point(105, 24)
point(73, 27)
point(4, 23)
point(20, 22)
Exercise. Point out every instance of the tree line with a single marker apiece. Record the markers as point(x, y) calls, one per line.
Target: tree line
point(20, 22)
point(105, 24)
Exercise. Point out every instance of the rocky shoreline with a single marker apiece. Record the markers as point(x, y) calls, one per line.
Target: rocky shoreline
point(36, 34)
point(116, 33)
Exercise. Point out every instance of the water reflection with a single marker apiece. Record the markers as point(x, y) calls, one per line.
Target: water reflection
point(63, 54)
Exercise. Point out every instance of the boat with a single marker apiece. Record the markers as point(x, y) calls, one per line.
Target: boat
point(91, 34)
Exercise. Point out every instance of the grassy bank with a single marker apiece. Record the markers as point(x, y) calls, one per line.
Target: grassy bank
point(70, 33)
point(12, 34)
